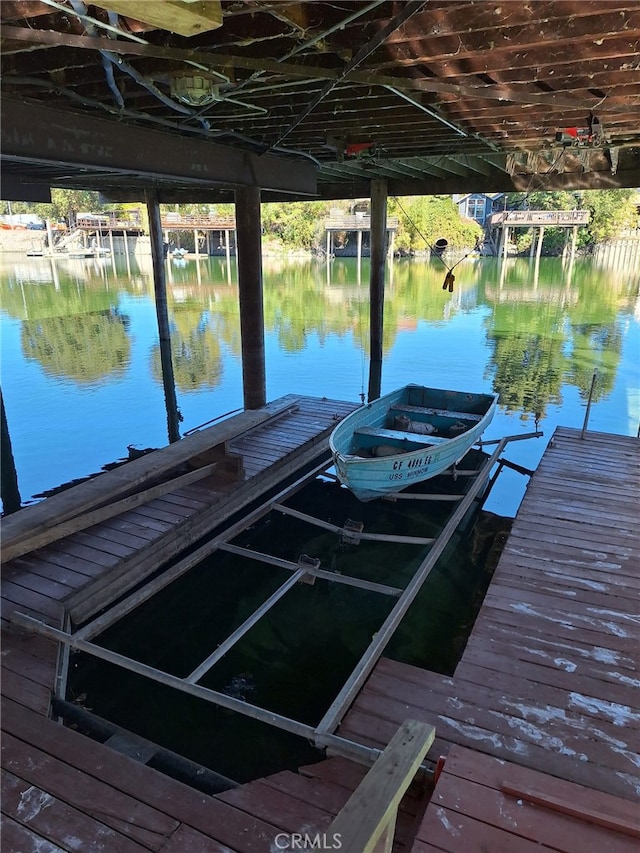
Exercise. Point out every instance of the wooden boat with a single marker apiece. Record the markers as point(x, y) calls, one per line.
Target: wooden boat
point(407, 436)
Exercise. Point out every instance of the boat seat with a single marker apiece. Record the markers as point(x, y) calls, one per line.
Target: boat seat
point(441, 413)
point(397, 434)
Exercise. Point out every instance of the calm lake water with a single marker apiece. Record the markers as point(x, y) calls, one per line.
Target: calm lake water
point(81, 365)
point(81, 381)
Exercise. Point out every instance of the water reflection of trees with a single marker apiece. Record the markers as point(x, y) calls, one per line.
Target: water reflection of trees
point(545, 333)
point(527, 361)
point(195, 349)
point(70, 324)
point(85, 347)
point(543, 329)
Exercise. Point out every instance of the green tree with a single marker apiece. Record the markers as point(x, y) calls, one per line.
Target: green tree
point(66, 204)
point(426, 219)
point(297, 225)
point(612, 211)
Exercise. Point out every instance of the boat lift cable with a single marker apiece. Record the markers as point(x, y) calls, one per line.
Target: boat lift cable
point(437, 250)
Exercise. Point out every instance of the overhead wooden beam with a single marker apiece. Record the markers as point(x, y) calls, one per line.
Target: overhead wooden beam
point(184, 17)
point(519, 95)
point(47, 135)
point(13, 189)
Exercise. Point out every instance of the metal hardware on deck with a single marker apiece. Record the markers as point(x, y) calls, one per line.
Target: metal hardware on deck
point(351, 532)
point(588, 412)
point(307, 562)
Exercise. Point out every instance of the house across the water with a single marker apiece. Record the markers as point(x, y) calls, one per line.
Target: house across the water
point(479, 206)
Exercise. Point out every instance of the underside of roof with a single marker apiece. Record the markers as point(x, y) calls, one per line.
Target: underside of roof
point(316, 99)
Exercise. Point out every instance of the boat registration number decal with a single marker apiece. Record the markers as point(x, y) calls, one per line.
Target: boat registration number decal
point(413, 469)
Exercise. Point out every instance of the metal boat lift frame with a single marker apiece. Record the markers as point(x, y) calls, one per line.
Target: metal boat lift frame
point(323, 736)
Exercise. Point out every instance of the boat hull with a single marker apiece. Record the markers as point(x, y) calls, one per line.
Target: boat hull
point(406, 457)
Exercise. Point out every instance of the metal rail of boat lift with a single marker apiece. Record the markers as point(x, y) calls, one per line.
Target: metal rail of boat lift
point(323, 735)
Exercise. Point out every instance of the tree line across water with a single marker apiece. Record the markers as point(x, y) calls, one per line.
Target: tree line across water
point(422, 219)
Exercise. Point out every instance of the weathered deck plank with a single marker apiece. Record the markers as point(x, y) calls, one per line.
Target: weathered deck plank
point(547, 680)
point(549, 677)
point(121, 551)
point(81, 788)
point(482, 803)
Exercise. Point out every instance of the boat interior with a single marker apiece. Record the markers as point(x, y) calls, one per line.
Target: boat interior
point(408, 426)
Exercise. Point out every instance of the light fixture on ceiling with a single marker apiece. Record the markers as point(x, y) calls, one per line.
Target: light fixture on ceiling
point(195, 90)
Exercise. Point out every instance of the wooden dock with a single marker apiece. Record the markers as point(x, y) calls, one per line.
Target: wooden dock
point(549, 677)
point(85, 570)
point(548, 680)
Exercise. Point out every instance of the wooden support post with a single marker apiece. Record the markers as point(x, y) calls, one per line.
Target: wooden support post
point(376, 282)
point(249, 259)
point(328, 244)
point(227, 247)
point(359, 239)
point(162, 311)
point(533, 243)
point(574, 240)
point(505, 240)
point(196, 248)
point(111, 246)
point(539, 246)
point(9, 491)
point(366, 824)
point(126, 251)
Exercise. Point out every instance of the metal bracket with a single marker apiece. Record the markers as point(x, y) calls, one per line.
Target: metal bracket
point(351, 532)
point(307, 562)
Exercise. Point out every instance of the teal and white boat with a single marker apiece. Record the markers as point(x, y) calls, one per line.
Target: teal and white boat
point(407, 436)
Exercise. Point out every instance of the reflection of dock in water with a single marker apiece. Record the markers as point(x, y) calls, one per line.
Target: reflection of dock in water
point(560, 294)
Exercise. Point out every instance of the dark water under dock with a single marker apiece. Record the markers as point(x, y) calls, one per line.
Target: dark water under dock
point(297, 657)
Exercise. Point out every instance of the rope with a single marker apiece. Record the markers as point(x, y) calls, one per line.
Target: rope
point(449, 278)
